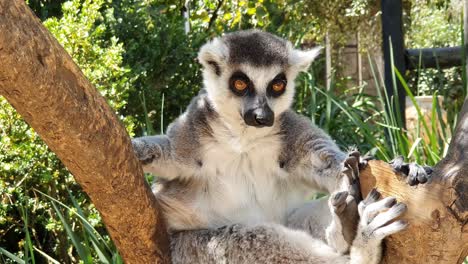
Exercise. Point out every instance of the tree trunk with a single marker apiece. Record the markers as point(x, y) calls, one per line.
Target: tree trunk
point(437, 211)
point(41, 81)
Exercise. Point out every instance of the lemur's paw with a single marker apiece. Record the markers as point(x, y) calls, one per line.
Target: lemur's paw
point(146, 151)
point(337, 201)
point(377, 217)
point(345, 216)
point(414, 173)
point(351, 166)
point(361, 161)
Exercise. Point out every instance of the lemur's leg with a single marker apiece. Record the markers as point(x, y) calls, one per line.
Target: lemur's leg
point(156, 157)
point(334, 220)
point(271, 243)
point(262, 244)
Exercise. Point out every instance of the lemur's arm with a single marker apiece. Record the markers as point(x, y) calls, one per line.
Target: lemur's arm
point(157, 156)
point(310, 155)
point(176, 154)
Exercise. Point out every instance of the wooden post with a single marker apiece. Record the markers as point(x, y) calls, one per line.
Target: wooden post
point(328, 67)
point(41, 81)
point(359, 58)
point(392, 29)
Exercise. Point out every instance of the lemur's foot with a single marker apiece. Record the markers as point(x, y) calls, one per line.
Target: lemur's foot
point(146, 150)
point(377, 217)
point(414, 173)
point(378, 220)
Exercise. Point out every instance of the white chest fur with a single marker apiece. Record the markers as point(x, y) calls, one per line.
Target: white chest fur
point(244, 181)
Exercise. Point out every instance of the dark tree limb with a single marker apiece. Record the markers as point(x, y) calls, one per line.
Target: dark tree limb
point(215, 13)
point(41, 81)
point(437, 211)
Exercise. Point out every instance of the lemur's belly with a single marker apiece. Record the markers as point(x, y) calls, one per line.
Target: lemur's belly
point(235, 183)
point(245, 186)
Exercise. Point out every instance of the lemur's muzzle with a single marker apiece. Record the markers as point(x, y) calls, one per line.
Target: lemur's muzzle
point(259, 114)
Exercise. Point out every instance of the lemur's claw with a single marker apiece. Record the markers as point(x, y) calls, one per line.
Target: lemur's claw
point(414, 173)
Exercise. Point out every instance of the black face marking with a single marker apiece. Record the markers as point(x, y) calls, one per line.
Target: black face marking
point(280, 78)
point(216, 67)
point(243, 77)
point(281, 164)
point(199, 163)
point(257, 48)
point(257, 112)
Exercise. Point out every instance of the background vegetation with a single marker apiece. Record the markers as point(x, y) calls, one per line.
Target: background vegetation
point(141, 58)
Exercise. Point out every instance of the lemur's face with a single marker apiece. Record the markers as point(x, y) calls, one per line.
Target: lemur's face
point(249, 75)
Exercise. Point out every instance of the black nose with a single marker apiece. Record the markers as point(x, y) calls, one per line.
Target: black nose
point(259, 117)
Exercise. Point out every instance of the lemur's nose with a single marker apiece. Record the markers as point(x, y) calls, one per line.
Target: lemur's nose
point(260, 117)
point(263, 117)
point(258, 113)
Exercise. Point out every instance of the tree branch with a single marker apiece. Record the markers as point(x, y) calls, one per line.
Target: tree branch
point(215, 14)
point(437, 211)
point(42, 82)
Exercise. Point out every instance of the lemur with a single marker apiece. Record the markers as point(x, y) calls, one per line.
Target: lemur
point(234, 170)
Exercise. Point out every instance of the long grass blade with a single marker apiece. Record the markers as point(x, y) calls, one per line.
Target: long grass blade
point(82, 252)
point(11, 256)
point(49, 258)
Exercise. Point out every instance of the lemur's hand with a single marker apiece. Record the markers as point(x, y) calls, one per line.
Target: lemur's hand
point(414, 173)
point(344, 206)
point(147, 149)
point(345, 218)
point(352, 164)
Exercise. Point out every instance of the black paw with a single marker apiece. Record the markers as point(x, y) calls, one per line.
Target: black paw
point(414, 173)
point(345, 207)
point(362, 160)
point(351, 167)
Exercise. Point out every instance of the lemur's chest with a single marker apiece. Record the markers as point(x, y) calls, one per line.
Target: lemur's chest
point(243, 158)
point(246, 181)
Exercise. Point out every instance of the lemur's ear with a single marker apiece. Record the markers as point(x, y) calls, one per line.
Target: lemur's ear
point(301, 59)
point(213, 56)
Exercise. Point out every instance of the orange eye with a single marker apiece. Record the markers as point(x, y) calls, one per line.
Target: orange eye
point(278, 86)
point(240, 85)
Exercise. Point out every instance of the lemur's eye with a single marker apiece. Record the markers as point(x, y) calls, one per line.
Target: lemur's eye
point(240, 85)
point(278, 86)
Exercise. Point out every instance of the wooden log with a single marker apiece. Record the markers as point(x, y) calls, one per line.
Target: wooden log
point(437, 211)
point(41, 81)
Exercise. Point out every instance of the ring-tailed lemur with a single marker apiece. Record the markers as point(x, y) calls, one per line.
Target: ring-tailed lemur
point(234, 169)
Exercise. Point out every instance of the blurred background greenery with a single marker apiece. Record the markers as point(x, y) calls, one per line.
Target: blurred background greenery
point(141, 56)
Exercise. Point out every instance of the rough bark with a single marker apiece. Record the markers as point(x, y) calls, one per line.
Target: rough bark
point(437, 211)
point(41, 81)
